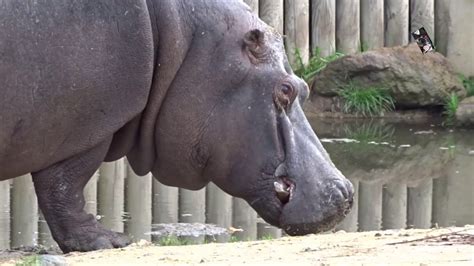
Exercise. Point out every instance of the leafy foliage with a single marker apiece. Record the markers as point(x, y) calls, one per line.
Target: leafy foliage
point(367, 101)
point(450, 107)
point(315, 63)
point(468, 83)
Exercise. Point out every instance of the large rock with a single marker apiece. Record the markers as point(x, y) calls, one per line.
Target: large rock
point(413, 79)
point(465, 111)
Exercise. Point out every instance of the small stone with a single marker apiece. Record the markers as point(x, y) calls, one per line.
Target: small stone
point(378, 234)
point(52, 260)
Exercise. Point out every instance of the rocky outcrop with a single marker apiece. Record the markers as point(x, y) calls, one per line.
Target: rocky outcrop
point(465, 112)
point(412, 78)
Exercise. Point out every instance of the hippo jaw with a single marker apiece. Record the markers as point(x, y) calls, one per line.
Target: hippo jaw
point(308, 193)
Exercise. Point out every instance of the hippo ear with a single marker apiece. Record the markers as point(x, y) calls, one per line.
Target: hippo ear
point(254, 43)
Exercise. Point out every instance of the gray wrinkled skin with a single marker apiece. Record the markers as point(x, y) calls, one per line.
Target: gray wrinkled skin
point(192, 91)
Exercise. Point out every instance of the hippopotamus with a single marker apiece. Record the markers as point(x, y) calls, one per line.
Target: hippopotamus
point(191, 91)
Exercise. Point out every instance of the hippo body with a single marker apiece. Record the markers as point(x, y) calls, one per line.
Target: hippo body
point(192, 91)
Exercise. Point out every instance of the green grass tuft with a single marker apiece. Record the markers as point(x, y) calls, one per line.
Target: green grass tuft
point(267, 237)
point(33, 260)
point(450, 107)
point(315, 64)
point(367, 101)
point(468, 83)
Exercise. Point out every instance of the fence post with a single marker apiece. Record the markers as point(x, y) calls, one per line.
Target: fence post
point(394, 207)
point(265, 230)
point(442, 25)
point(218, 209)
point(419, 204)
point(111, 194)
point(165, 203)
point(245, 218)
point(396, 22)
point(422, 15)
point(192, 209)
point(271, 11)
point(323, 26)
point(297, 29)
point(44, 234)
point(440, 205)
point(253, 4)
point(90, 195)
point(4, 214)
point(371, 24)
point(370, 207)
point(24, 212)
point(347, 26)
point(138, 205)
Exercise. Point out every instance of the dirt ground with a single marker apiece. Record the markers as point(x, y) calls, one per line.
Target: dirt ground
point(447, 246)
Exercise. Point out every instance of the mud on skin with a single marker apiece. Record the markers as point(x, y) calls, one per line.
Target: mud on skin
point(192, 91)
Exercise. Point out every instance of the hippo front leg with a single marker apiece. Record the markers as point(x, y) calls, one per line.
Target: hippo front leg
point(60, 196)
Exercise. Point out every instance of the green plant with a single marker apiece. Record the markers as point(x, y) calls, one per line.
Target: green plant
point(450, 107)
point(367, 101)
point(267, 237)
point(315, 63)
point(29, 261)
point(172, 241)
point(468, 83)
point(369, 131)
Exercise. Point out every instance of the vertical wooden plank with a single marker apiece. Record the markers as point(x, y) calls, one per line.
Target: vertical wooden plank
point(419, 205)
point(111, 194)
point(440, 205)
point(422, 15)
point(442, 23)
point(396, 22)
point(323, 26)
point(253, 4)
point(90, 195)
point(44, 234)
point(371, 24)
point(245, 218)
point(192, 209)
point(266, 231)
point(271, 11)
point(370, 206)
point(461, 36)
point(4, 214)
point(297, 29)
point(165, 203)
point(350, 222)
point(218, 209)
point(138, 205)
point(394, 208)
point(347, 26)
point(24, 212)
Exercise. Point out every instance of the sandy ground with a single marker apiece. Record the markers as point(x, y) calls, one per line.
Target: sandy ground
point(448, 246)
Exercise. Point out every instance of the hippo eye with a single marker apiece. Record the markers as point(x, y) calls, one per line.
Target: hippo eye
point(284, 95)
point(287, 90)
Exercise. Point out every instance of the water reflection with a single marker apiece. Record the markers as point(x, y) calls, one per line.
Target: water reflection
point(405, 175)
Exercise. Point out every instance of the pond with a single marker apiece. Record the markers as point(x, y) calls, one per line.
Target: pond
point(405, 175)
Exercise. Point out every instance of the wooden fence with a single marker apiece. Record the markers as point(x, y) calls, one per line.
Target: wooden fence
point(126, 202)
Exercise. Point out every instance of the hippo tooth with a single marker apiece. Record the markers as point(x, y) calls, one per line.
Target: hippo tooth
point(282, 191)
point(280, 187)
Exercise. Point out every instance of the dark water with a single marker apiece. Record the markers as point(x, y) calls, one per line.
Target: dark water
point(405, 175)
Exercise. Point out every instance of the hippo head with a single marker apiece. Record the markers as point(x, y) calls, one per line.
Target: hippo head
point(234, 116)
